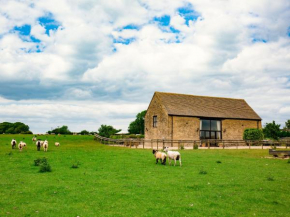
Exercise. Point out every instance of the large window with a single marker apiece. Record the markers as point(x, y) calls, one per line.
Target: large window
point(210, 129)
point(155, 121)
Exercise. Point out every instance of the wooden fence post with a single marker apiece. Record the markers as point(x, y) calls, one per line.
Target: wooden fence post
point(143, 143)
point(157, 144)
point(163, 143)
point(151, 144)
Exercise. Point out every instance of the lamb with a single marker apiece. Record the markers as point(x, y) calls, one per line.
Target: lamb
point(21, 145)
point(45, 145)
point(13, 143)
point(173, 155)
point(57, 144)
point(34, 139)
point(39, 143)
point(159, 155)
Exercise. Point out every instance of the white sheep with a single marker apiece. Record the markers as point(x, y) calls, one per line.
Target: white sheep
point(34, 139)
point(159, 155)
point(21, 145)
point(57, 144)
point(173, 155)
point(13, 143)
point(45, 145)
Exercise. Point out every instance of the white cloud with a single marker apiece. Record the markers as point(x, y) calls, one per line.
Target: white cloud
point(213, 55)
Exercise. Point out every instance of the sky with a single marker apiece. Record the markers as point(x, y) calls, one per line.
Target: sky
point(83, 63)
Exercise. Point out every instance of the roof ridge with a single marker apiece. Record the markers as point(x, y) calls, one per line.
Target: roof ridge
point(158, 92)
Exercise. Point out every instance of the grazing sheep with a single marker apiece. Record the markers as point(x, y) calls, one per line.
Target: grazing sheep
point(21, 145)
point(173, 155)
point(39, 143)
point(13, 143)
point(57, 144)
point(159, 155)
point(34, 139)
point(45, 145)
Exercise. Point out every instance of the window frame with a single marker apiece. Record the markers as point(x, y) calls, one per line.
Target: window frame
point(210, 129)
point(155, 121)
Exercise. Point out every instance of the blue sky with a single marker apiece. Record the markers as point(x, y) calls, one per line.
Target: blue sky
point(99, 62)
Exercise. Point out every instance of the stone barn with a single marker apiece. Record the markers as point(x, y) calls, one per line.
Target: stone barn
point(188, 117)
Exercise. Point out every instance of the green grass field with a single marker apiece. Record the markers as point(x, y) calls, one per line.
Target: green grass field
point(114, 181)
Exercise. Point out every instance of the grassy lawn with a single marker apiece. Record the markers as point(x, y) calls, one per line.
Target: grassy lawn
point(114, 181)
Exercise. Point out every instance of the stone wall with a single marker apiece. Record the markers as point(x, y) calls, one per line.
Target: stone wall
point(161, 131)
point(234, 129)
point(185, 128)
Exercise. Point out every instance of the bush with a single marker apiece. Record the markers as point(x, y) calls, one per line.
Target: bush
point(39, 161)
point(253, 134)
point(288, 161)
point(181, 147)
point(195, 146)
point(44, 167)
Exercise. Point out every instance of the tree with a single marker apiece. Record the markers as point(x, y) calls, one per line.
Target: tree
point(107, 131)
point(62, 130)
point(272, 130)
point(287, 124)
point(85, 132)
point(137, 126)
point(13, 128)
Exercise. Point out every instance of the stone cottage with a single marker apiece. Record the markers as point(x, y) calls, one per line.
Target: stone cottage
point(189, 117)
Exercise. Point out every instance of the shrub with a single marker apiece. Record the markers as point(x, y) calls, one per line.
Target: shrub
point(132, 136)
point(253, 134)
point(44, 167)
point(195, 146)
point(288, 161)
point(181, 147)
point(39, 161)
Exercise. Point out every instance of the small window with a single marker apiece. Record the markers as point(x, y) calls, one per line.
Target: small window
point(154, 121)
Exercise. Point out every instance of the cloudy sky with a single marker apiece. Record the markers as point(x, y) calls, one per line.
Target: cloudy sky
point(84, 63)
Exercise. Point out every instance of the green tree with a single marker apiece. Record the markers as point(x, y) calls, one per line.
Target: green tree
point(272, 130)
point(85, 132)
point(137, 126)
point(107, 131)
point(287, 124)
point(13, 128)
point(61, 130)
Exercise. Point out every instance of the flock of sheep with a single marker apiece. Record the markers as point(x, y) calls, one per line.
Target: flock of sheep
point(159, 155)
point(172, 155)
point(38, 144)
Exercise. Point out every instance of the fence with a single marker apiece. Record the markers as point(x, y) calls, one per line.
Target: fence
point(193, 144)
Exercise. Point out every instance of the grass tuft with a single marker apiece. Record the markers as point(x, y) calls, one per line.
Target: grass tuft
point(202, 172)
point(75, 165)
point(270, 178)
point(218, 162)
point(10, 153)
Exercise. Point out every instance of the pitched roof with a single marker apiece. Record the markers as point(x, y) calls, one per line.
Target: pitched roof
point(205, 106)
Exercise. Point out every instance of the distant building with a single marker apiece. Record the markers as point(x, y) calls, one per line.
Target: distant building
point(188, 117)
